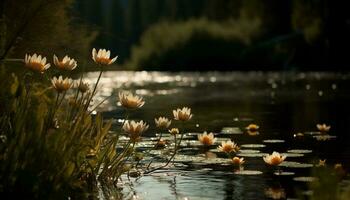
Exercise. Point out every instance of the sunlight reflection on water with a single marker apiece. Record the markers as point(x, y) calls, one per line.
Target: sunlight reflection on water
point(283, 104)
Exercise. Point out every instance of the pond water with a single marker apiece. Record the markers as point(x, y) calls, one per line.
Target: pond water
point(282, 104)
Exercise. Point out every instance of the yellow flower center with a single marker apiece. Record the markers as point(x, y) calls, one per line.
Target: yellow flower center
point(207, 140)
point(36, 66)
point(103, 61)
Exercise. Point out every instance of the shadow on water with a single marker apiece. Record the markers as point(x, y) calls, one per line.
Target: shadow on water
point(282, 104)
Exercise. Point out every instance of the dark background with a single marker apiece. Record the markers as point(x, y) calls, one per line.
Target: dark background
point(305, 35)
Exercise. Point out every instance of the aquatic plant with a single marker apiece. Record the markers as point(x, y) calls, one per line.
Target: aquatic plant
point(52, 146)
point(66, 63)
point(323, 128)
point(228, 147)
point(36, 63)
point(207, 139)
point(130, 101)
point(274, 159)
point(162, 122)
point(252, 127)
point(238, 161)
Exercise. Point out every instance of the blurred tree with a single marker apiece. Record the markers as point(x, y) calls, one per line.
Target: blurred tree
point(42, 26)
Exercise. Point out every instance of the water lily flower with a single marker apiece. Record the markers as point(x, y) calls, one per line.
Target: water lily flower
point(60, 84)
point(82, 86)
point(135, 129)
point(36, 63)
point(102, 57)
point(321, 163)
point(323, 128)
point(253, 133)
point(183, 114)
point(252, 127)
point(228, 147)
point(130, 101)
point(174, 131)
point(207, 139)
point(339, 170)
point(275, 193)
point(66, 63)
point(238, 161)
point(162, 122)
point(161, 143)
point(274, 159)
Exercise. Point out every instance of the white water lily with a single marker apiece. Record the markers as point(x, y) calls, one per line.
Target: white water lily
point(61, 84)
point(36, 63)
point(66, 63)
point(183, 114)
point(274, 159)
point(323, 127)
point(130, 101)
point(162, 122)
point(174, 131)
point(102, 57)
point(207, 139)
point(228, 147)
point(238, 161)
point(135, 129)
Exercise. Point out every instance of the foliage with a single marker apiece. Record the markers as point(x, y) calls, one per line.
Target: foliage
point(43, 26)
point(193, 40)
point(51, 146)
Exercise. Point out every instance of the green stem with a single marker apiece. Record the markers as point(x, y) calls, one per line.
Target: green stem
point(94, 90)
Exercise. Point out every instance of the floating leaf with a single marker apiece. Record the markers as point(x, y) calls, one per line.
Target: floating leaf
point(312, 133)
point(292, 164)
point(231, 130)
point(284, 173)
point(297, 151)
point(273, 141)
point(305, 179)
point(252, 154)
point(248, 151)
point(253, 146)
point(248, 172)
point(293, 155)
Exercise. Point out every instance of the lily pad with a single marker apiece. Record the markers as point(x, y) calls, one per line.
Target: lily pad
point(292, 164)
point(253, 145)
point(231, 130)
point(304, 179)
point(312, 133)
point(252, 154)
point(299, 151)
point(249, 151)
point(284, 173)
point(248, 172)
point(273, 141)
point(293, 155)
point(324, 137)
